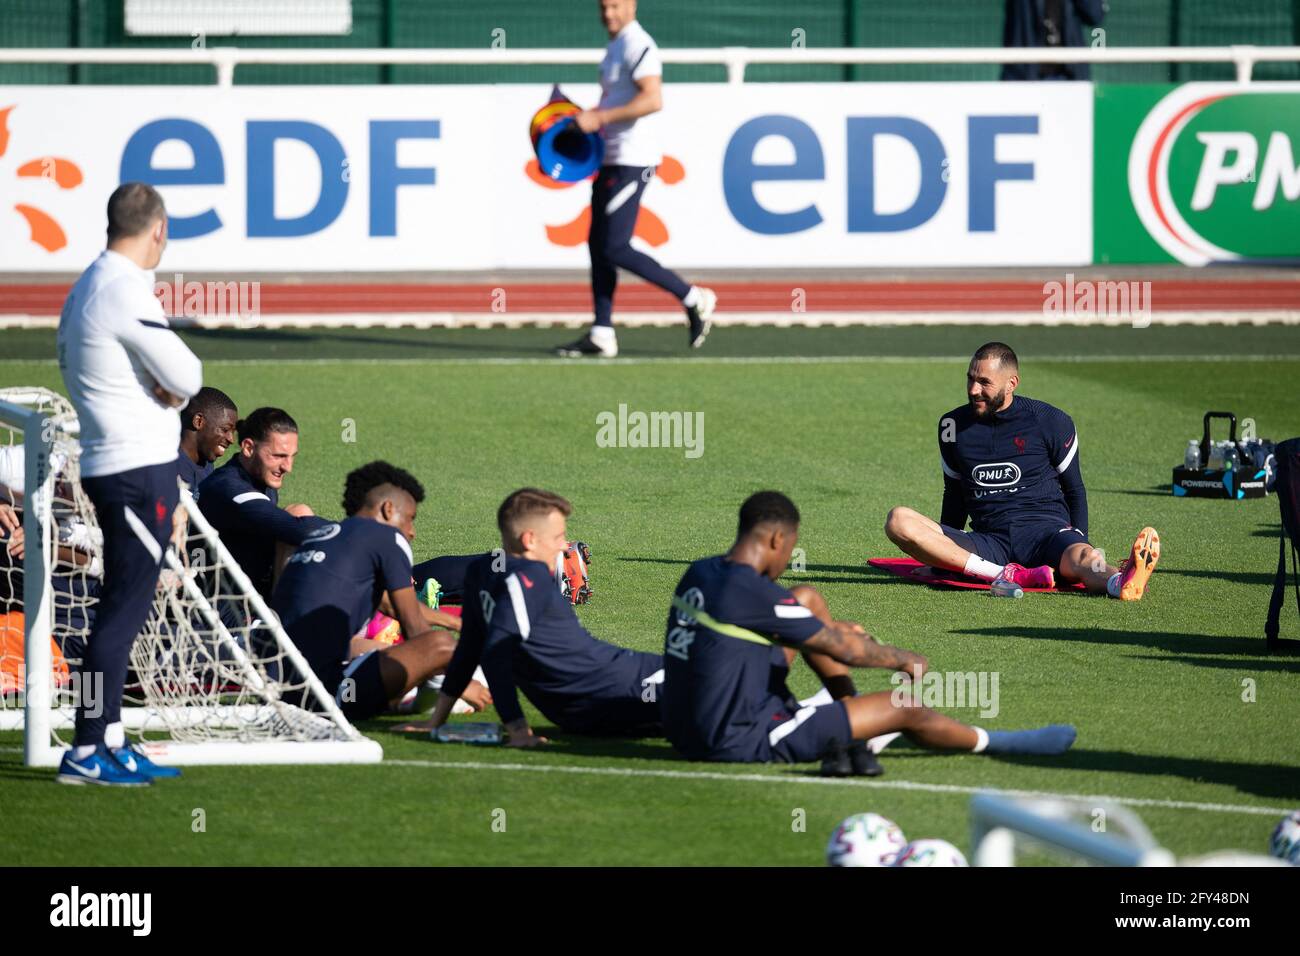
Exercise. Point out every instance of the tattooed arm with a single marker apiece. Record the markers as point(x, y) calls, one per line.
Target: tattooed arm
point(849, 644)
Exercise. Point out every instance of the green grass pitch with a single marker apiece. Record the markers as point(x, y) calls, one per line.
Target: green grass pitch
point(1180, 712)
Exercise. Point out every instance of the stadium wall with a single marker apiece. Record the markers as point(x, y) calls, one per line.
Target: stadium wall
point(365, 179)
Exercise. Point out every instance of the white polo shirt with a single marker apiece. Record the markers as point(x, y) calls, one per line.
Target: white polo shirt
point(632, 55)
point(114, 346)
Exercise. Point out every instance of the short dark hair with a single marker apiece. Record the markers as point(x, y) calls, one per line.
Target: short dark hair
point(262, 421)
point(767, 507)
point(208, 402)
point(132, 209)
point(1005, 357)
point(360, 485)
point(527, 503)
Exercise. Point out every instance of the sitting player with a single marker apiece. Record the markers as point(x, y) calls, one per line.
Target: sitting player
point(339, 577)
point(207, 430)
point(525, 634)
point(240, 499)
point(1012, 464)
point(732, 634)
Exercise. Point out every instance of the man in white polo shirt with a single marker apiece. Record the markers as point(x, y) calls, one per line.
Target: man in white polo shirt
point(631, 92)
point(127, 373)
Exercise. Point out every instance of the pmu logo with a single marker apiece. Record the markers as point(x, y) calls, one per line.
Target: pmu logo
point(43, 229)
point(1001, 474)
point(1213, 173)
point(649, 228)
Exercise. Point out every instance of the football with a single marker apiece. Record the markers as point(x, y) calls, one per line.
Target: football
point(1285, 841)
point(930, 853)
point(865, 839)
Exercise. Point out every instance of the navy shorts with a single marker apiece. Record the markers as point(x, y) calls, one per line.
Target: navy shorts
point(1031, 545)
point(360, 692)
point(805, 735)
point(638, 714)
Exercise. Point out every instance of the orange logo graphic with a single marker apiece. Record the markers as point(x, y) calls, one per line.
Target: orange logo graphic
point(649, 227)
point(45, 231)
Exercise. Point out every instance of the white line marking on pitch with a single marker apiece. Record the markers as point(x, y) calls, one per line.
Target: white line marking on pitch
point(827, 781)
point(570, 364)
point(831, 781)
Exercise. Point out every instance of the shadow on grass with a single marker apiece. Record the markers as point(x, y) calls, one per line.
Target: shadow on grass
point(1162, 491)
point(1281, 662)
point(1237, 577)
point(1270, 780)
point(1176, 643)
point(17, 771)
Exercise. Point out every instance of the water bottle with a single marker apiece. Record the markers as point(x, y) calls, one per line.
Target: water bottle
point(1192, 460)
point(1001, 587)
point(1216, 457)
point(1231, 460)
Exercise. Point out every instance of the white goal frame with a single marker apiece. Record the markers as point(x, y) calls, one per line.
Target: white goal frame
point(39, 718)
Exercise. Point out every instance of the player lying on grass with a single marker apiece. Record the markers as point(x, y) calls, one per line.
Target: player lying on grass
point(207, 430)
point(732, 635)
point(524, 633)
point(241, 498)
point(1012, 464)
point(341, 574)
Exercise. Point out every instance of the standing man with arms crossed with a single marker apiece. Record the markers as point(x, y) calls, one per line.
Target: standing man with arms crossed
point(127, 373)
point(630, 92)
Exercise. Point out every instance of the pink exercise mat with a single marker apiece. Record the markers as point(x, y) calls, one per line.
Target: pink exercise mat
point(912, 570)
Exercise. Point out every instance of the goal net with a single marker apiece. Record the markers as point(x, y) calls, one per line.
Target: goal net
point(213, 676)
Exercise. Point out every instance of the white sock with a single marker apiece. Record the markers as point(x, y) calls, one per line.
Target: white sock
point(603, 334)
point(980, 568)
point(82, 752)
point(692, 298)
point(115, 736)
point(877, 744)
point(982, 742)
point(1112, 586)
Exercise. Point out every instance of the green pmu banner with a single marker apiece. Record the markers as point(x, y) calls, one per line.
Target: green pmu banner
point(1197, 174)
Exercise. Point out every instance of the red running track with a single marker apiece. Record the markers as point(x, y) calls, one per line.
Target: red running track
point(1199, 295)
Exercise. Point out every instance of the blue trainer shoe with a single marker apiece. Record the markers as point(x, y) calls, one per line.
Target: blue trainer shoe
point(100, 768)
point(133, 759)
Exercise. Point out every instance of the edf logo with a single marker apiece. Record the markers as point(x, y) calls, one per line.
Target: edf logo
point(741, 172)
point(208, 169)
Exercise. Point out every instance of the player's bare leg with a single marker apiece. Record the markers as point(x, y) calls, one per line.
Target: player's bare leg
point(896, 710)
point(826, 668)
point(403, 666)
point(922, 538)
point(849, 759)
point(1083, 563)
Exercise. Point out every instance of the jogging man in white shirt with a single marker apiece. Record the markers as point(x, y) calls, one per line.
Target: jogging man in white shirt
point(631, 91)
point(127, 373)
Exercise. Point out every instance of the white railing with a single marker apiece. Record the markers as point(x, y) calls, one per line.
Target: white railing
point(1055, 823)
point(735, 58)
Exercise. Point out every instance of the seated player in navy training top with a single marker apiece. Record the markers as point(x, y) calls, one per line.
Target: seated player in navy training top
point(733, 633)
point(207, 430)
point(523, 631)
point(341, 574)
point(240, 499)
point(1011, 464)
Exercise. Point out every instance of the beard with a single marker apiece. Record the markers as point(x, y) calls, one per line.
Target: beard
point(995, 405)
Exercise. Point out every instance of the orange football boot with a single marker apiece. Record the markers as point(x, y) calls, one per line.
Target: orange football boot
point(1137, 567)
